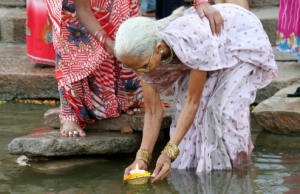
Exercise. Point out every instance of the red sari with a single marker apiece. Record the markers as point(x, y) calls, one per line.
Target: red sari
point(91, 82)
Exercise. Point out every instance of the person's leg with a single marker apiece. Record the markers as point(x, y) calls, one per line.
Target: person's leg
point(71, 122)
point(242, 3)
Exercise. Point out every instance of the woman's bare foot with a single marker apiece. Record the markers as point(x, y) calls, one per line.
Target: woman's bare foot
point(71, 129)
point(134, 111)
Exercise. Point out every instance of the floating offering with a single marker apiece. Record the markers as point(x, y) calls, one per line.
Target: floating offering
point(137, 177)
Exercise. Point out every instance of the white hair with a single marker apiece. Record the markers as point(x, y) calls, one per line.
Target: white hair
point(138, 36)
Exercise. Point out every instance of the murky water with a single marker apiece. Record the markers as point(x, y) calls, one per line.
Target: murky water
point(275, 168)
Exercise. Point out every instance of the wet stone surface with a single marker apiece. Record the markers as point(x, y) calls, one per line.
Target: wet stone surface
point(280, 114)
point(51, 143)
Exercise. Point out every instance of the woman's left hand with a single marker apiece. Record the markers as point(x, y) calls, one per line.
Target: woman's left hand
point(162, 169)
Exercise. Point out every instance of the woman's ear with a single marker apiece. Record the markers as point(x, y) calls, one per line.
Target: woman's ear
point(159, 48)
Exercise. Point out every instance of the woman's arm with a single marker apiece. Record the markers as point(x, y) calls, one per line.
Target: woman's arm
point(191, 105)
point(153, 117)
point(196, 84)
point(90, 23)
point(152, 123)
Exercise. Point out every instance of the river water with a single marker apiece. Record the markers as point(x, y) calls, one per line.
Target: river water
point(275, 167)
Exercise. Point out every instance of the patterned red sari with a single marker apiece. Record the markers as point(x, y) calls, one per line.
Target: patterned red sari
point(91, 82)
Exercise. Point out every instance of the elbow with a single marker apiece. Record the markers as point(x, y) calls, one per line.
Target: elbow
point(193, 102)
point(157, 111)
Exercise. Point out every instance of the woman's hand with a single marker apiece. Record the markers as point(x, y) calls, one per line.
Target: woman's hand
point(109, 45)
point(216, 20)
point(162, 169)
point(141, 163)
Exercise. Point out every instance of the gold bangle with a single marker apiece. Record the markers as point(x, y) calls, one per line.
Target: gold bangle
point(145, 155)
point(171, 150)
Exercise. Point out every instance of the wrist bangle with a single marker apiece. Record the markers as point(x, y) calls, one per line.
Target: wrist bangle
point(102, 40)
point(145, 155)
point(196, 3)
point(97, 32)
point(171, 150)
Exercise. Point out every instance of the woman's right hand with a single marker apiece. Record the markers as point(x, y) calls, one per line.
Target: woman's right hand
point(109, 45)
point(214, 17)
point(142, 165)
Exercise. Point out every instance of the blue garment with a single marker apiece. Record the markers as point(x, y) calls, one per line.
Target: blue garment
point(148, 5)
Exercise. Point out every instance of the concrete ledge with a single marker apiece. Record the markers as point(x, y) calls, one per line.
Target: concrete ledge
point(12, 21)
point(280, 114)
point(51, 143)
point(19, 78)
point(269, 18)
point(263, 3)
point(13, 3)
point(13, 25)
point(254, 3)
point(288, 74)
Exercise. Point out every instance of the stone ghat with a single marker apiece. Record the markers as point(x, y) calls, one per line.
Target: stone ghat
point(51, 143)
point(108, 136)
point(280, 114)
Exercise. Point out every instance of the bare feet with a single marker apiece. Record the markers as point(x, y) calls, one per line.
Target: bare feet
point(71, 129)
point(129, 112)
point(134, 111)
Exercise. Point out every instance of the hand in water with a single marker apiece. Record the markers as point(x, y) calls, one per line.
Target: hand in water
point(162, 169)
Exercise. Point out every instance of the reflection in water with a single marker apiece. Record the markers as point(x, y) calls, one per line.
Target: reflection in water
point(277, 164)
point(237, 181)
point(275, 168)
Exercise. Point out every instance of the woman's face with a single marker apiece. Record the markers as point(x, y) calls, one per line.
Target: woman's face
point(141, 66)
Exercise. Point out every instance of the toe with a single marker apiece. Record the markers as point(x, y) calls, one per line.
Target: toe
point(129, 112)
point(75, 133)
point(64, 133)
point(82, 133)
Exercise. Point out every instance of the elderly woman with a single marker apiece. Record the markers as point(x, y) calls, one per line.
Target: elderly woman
point(215, 80)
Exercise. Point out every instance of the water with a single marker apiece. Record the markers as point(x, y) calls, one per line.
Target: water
point(275, 168)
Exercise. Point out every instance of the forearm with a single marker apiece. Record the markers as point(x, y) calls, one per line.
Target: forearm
point(185, 121)
point(191, 105)
point(87, 18)
point(152, 125)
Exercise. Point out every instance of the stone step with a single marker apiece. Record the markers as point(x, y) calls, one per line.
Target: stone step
point(12, 23)
point(279, 113)
point(51, 143)
point(13, 3)
point(288, 74)
point(252, 3)
point(20, 78)
point(269, 19)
